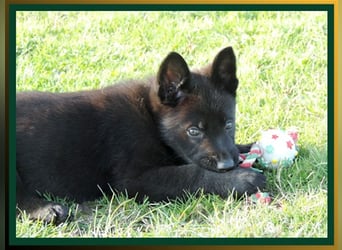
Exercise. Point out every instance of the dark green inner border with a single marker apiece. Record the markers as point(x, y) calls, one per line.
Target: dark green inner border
point(165, 241)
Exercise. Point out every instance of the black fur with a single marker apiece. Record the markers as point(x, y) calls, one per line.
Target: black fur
point(155, 138)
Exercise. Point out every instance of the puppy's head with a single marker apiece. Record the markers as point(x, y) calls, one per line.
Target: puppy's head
point(196, 111)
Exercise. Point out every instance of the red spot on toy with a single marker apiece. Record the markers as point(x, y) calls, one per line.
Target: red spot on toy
point(289, 144)
point(275, 137)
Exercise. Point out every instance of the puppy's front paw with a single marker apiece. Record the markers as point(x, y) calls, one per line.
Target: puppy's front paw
point(247, 181)
point(244, 148)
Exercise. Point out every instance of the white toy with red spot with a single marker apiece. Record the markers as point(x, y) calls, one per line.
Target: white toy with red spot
point(276, 148)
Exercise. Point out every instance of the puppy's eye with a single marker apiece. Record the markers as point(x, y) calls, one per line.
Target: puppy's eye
point(228, 126)
point(193, 131)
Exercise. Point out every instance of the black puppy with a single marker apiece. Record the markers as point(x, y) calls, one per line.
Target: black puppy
point(156, 138)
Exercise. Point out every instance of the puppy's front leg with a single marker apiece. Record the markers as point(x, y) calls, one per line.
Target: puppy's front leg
point(170, 182)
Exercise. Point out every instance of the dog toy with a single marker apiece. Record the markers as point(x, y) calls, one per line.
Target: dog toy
point(260, 197)
point(276, 148)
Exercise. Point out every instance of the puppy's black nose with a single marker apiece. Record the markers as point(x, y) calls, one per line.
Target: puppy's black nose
point(226, 165)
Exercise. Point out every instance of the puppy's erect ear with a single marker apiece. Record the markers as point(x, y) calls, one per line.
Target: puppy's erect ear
point(173, 79)
point(223, 72)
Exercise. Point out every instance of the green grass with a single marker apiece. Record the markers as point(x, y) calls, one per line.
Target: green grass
point(282, 67)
